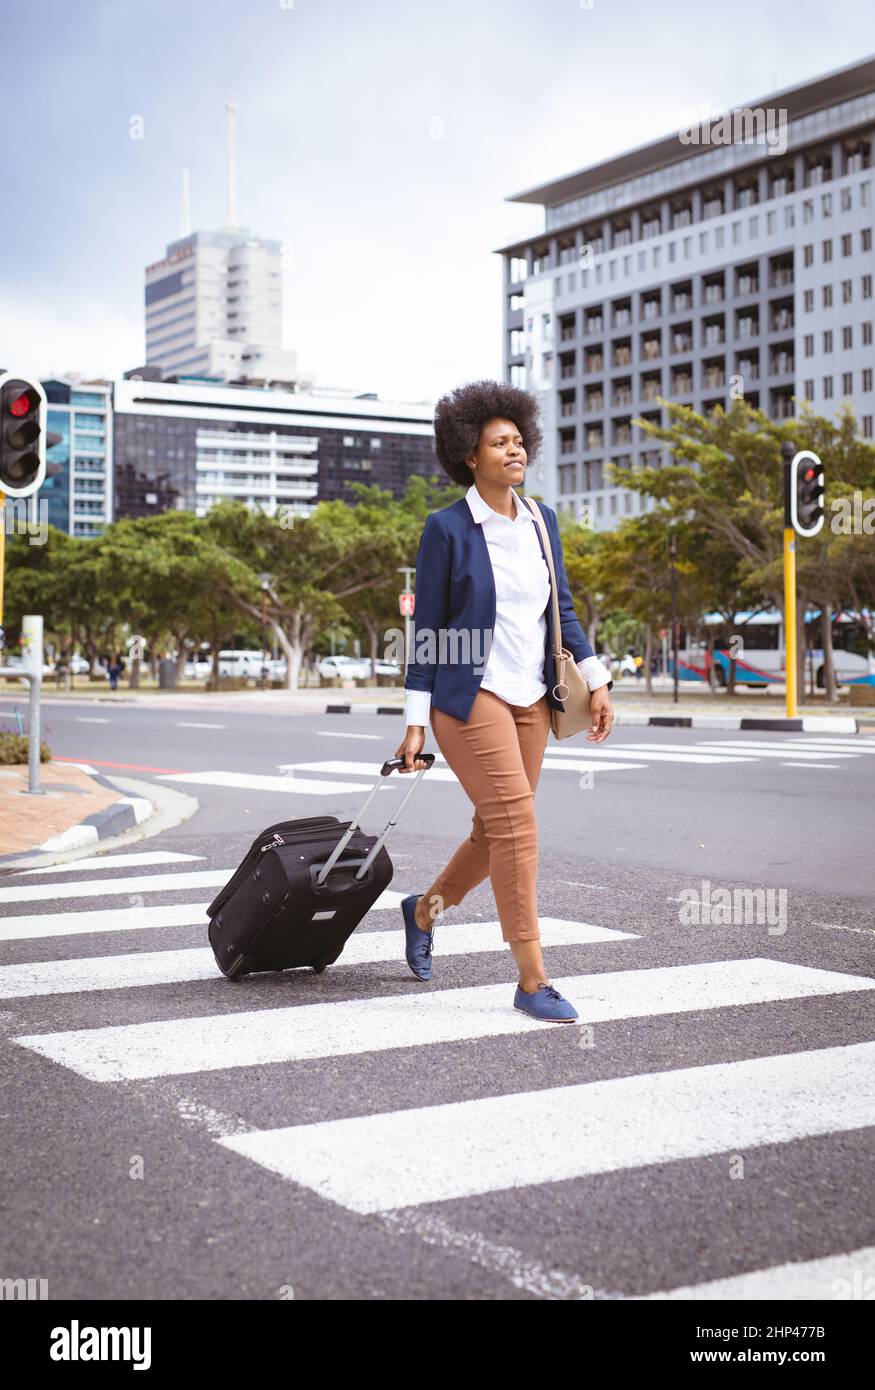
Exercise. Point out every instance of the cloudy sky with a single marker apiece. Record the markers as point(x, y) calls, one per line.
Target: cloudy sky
point(378, 139)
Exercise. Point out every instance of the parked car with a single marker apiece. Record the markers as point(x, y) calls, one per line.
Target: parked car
point(388, 668)
point(199, 670)
point(347, 667)
point(241, 662)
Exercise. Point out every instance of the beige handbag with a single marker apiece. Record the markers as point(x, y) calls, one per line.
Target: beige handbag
point(575, 712)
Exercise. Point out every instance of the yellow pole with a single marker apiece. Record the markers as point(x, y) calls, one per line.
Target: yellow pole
point(790, 617)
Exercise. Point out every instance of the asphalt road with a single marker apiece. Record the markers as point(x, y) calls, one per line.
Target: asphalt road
point(362, 1135)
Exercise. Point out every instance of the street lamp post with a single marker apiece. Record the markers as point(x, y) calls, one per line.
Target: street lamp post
point(265, 586)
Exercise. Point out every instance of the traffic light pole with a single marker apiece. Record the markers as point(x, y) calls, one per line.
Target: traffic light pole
point(803, 516)
point(790, 618)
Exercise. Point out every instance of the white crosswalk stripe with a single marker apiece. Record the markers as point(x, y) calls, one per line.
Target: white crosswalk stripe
point(816, 1280)
point(257, 1038)
point(82, 974)
point(115, 861)
point(438, 1153)
point(103, 887)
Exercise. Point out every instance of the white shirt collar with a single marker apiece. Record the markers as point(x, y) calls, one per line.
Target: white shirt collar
point(481, 510)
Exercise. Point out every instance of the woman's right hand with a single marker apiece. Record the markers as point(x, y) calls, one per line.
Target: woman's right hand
point(412, 743)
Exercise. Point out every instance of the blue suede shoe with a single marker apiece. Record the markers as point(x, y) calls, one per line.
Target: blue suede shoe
point(419, 942)
point(546, 1004)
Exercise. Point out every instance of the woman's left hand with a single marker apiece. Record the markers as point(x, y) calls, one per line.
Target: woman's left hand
point(602, 715)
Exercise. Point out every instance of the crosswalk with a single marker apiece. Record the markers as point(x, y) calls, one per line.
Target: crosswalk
point(329, 776)
point(369, 1161)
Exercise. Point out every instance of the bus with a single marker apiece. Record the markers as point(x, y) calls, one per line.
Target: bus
point(760, 658)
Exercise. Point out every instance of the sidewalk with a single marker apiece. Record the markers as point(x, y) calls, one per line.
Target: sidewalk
point(77, 808)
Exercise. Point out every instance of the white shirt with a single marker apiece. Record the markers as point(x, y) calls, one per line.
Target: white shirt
point(514, 667)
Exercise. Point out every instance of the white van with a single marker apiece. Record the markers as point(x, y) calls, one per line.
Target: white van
point(241, 663)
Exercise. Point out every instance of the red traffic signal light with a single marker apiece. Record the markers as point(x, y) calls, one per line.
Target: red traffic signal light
point(22, 435)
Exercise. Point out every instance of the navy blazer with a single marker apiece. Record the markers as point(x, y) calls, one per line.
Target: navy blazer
point(455, 594)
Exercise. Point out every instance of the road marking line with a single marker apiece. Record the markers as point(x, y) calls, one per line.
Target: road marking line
point(812, 1280)
point(137, 968)
point(103, 887)
point(262, 1036)
point(141, 918)
point(441, 1153)
point(114, 861)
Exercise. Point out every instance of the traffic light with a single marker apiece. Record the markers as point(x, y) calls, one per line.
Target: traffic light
point(22, 435)
point(806, 489)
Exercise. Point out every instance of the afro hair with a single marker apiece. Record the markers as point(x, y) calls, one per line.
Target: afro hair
point(460, 416)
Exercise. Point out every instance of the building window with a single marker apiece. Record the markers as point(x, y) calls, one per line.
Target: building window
point(376, 443)
point(827, 340)
point(867, 286)
point(846, 244)
point(718, 237)
point(771, 224)
point(846, 292)
point(807, 210)
point(809, 345)
point(826, 205)
point(867, 333)
point(736, 232)
point(847, 338)
point(827, 388)
point(789, 216)
point(809, 390)
point(349, 441)
point(827, 296)
point(808, 255)
point(867, 378)
point(846, 199)
point(847, 383)
point(866, 239)
point(809, 301)
point(827, 251)
point(867, 426)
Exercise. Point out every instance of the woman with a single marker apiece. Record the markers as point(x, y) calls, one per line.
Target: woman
point(482, 672)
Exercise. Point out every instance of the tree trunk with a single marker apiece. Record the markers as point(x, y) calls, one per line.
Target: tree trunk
point(648, 659)
point(180, 656)
point(829, 670)
point(801, 605)
point(291, 647)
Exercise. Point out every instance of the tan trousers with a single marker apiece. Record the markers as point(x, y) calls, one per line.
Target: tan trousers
point(497, 756)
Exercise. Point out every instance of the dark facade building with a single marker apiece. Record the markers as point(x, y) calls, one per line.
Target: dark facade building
point(189, 445)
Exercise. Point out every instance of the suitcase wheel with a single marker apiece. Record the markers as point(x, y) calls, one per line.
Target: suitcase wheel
point(319, 967)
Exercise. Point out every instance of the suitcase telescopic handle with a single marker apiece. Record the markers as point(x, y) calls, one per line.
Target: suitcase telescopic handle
point(389, 766)
point(392, 763)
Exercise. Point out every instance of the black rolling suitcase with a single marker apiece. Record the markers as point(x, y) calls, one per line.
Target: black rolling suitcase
point(302, 890)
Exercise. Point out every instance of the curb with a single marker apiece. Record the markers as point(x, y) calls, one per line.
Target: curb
point(138, 818)
point(123, 814)
point(808, 724)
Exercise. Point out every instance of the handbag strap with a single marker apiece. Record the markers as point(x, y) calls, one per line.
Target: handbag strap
point(548, 551)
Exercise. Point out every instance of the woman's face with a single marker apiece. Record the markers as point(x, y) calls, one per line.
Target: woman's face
point(500, 456)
